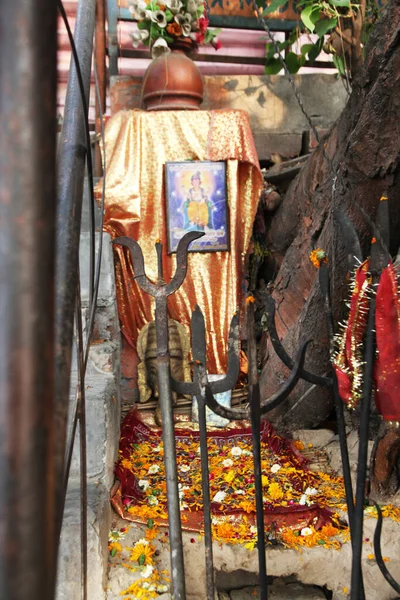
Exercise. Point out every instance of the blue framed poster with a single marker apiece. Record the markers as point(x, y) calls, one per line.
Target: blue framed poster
point(196, 200)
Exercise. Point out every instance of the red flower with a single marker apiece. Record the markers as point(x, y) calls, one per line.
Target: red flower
point(216, 42)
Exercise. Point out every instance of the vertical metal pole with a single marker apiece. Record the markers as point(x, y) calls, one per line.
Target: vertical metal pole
point(358, 521)
point(255, 413)
point(71, 168)
point(100, 59)
point(28, 77)
point(164, 385)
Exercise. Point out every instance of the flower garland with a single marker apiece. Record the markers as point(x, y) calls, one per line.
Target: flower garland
point(163, 22)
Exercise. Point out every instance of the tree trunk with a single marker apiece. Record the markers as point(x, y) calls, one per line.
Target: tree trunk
point(363, 147)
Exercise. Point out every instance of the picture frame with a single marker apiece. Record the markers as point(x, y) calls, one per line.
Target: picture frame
point(196, 200)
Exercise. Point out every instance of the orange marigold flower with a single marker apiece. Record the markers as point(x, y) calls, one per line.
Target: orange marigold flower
point(299, 445)
point(373, 241)
point(114, 547)
point(318, 256)
point(174, 29)
point(250, 299)
point(151, 534)
point(224, 530)
point(247, 506)
point(383, 198)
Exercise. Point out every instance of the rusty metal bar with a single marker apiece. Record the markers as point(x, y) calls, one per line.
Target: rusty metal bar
point(100, 64)
point(71, 166)
point(28, 76)
point(160, 291)
point(255, 414)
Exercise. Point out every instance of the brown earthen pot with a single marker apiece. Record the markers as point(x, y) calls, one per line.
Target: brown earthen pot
point(173, 81)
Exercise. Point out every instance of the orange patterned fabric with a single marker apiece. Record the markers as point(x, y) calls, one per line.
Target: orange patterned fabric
point(137, 146)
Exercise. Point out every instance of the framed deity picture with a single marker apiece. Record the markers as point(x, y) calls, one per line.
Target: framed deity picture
point(196, 200)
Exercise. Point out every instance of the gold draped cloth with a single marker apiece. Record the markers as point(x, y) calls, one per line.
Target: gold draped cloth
point(137, 146)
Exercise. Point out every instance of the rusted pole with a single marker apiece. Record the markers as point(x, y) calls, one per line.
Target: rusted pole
point(28, 75)
point(71, 170)
point(100, 61)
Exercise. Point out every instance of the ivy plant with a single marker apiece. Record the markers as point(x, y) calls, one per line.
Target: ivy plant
point(347, 24)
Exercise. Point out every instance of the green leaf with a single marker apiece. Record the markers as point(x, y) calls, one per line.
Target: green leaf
point(150, 523)
point(310, 16)
point(314, 53)
point(339, 64)
point(113, 552)
point(275, 4)
point(142, 559)
point(322, 27)
point(169, 39)
point(273, 66)
point(293, 62)
point(340, 3)
point(305, 49)
point(321, 542)
point(168, 15)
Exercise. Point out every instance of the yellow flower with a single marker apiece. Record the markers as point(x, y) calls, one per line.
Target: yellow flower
point(275, 492)
point(142, 554)
point(230, 476)
point(264, 480)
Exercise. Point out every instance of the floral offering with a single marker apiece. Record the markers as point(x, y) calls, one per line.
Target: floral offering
point(163, 22)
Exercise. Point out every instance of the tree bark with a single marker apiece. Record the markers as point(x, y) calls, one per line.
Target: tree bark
point(363, 148)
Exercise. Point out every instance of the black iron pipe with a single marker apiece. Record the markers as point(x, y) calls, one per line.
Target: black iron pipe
point(362, 463)
point(28, 75)
point(255, 413)
point(71, 168)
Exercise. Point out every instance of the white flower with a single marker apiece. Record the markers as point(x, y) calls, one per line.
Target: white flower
point(184, 468)
point(153, 469)
point(214, 520)
point(182, 505)
point(311, 492)
point(139, 36)
point(228, 462)
point(303, 500)
point(247, 453)
point(158, 16)
point(142, 14)
point(114, 536)
point(186, 29)
point(192, 6)
point(144, 484)
point(147, 571)
point(182, 489)
point(139, 10)
point(158, 448)
point(236, 451)
point(306, 531)
point(275, 468)
point(142, 541)
point(152, 500)
point(162, 588)
point(219, 496)
point(174, 5)
point(240, 493)
point(253, 529)
point(160, 47)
